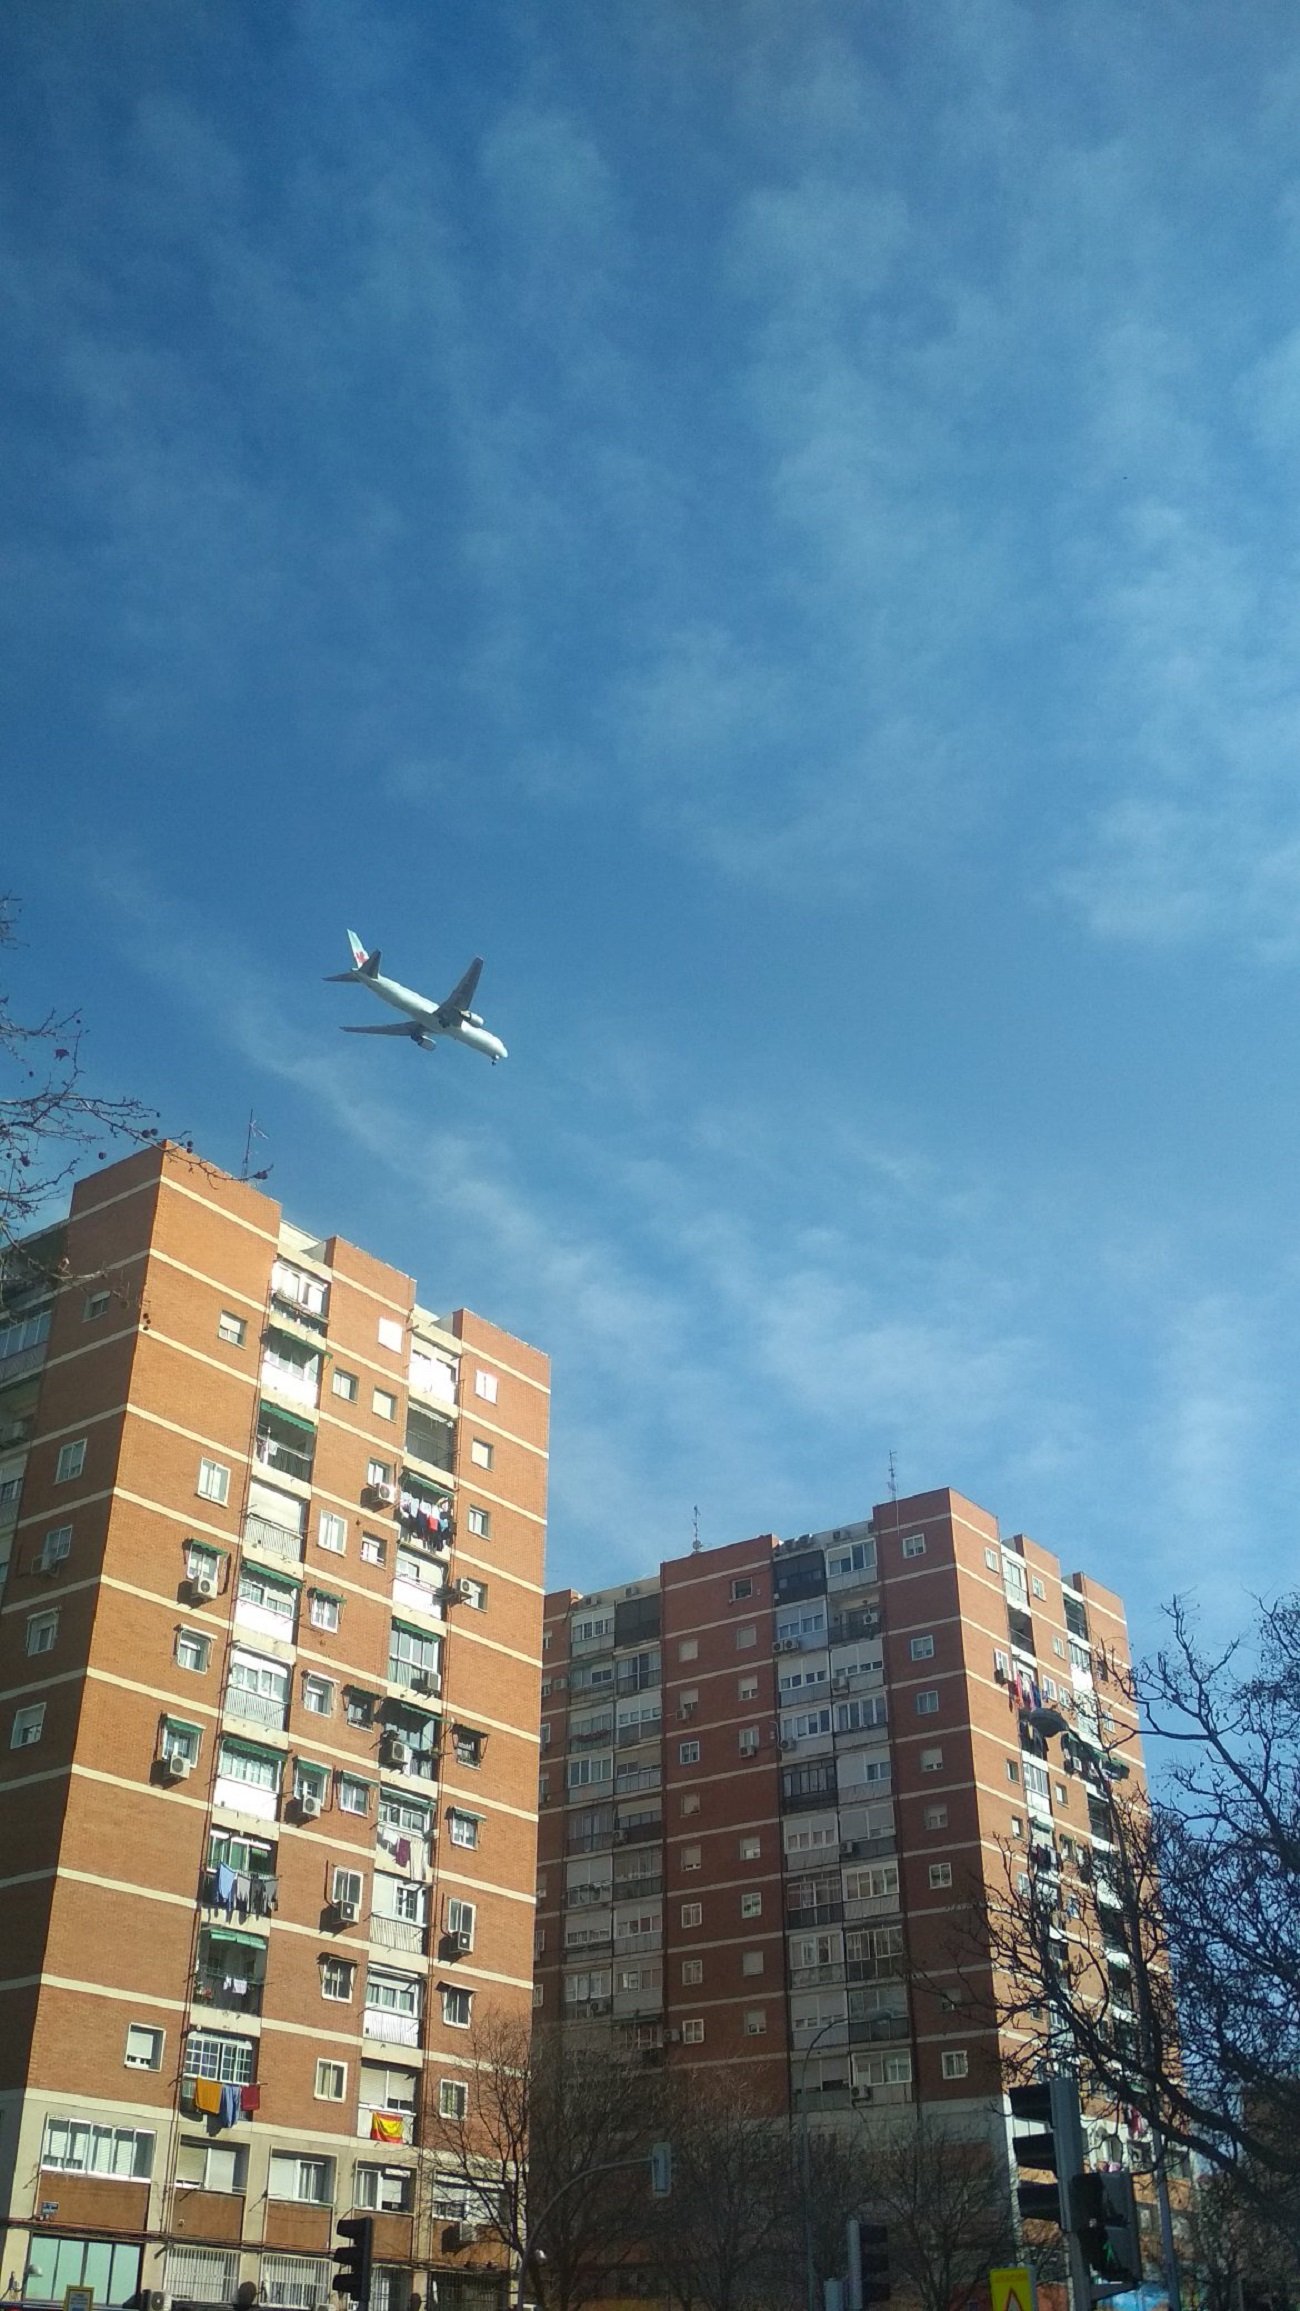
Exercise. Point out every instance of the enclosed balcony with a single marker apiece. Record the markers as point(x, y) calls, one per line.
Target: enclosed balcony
point(285, 1442)
point(230, 1970)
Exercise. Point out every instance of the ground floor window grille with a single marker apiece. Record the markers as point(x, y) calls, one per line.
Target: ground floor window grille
point(298, 2282)
point(201, 2274)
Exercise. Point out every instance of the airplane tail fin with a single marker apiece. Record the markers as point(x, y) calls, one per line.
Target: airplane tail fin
point(364, 966)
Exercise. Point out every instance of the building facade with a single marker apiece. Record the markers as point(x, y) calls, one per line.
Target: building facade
point(269, 1652)
point(773, 1775)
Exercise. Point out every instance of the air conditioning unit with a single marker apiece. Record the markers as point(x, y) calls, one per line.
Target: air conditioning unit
point(841, 1533)
point(462, 1941)
point(849, 1849)
point(347, 1913)
point(839, 1684)
point(786, 1645)
point(672, 2038)
point(462, 1589)
point(395, 1752)
point(310, 1805)
point(385, 1494)
point(178, 1766)
point(787, 1745)
point(204, 1585)
point(861, 2093)
point(157, 2302)
point(425, 1681)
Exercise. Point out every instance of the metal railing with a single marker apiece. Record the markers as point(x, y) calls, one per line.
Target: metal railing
point(394, 2029)
point(217, 1986)
point(398, 1933)
point(273, 1540)
point(259, 1708)
point(273, 1454)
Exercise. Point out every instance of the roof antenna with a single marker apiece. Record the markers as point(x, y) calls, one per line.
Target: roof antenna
point(695, 1527)
point(254, 1131)
point(893, 1479)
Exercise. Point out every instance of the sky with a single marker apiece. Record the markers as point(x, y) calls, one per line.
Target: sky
point(777, 527)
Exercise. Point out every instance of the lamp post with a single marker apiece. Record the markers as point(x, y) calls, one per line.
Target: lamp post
point(805, 2161)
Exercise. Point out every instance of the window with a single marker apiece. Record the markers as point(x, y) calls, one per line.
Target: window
point(77, 2147)
point(317, 1694)
point(993, 1560)
point(692, 1971)
point(467, 1745)
point(480, 1452)
point(955, 2062)
point(373, 1549)
point(457, 2007)
point(922, 1648)
point(741, 1588)
point(323, 1610)
point(25, 1731)
point(1058, 1648)
point(209, 2166)
point(693, 2032)
point(231, 1328)
point(390, 1334)
point(353, 1795)
point(485, 1385)
point(747, 1689)
point(1036, 1781)
point(751, 1905)
point(688, 1649)
point(473, 1594)
point(927, 1703)
point(346, 1888)
point(331, 2081)
point(690, 1801)
point(42, 1629)
point(358, 1707)
point(755, 2021)
point(931, 1761)
point(941, 1873)
point(453, 2098)
point(55, 1549)
point(746, 1636)
point(332, 1532)
point(385, 1403)
point(378, 1472)
point(144, 2047)
point(310, 1781)
point(308, 2180)
point(214, 1482)
point(914, 1544)
point(460, 1920)
point(384, 2191)
point(95, 1304)
point(936, 1817)
point(692, 1913)
point(213, 2054)
point(688, 1753)
point(179, 1740)
point(1037, 1587)
point(192, 1649)
point(750, 1849)
point(751, 1961)
point(463, 1828)
point(1017, 1826)
point(345, 1384)
point(748, 1740)
point(479, 1521)
point(690, 1857)
point(72, 1460)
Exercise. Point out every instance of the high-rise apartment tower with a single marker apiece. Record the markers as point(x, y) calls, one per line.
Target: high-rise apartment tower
point(269, 1652)
point(772, 1775)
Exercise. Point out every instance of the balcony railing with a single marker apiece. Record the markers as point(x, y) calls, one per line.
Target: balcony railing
point(258, 1708)
point(272, 1540)
point(216, 1986)
point(637, 1889)
point(367, 2113)
point(646, 1833)
point(286, 1458)
point(817, 1914)
point(874, 2029)
point(394, 2029)
point(398, 1933)
point(641, 1729)
point(591, 1841)
point(593, 1736)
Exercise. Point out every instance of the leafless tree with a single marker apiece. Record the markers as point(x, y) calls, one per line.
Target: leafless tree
point(51, 1121)
point(725, 2240)
point(944, 2199)
point(550, 2152)
point(1168, 1960)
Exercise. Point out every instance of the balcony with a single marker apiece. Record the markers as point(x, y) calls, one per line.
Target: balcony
point(818, 1914)
point(392, 2029)
point(818, 1977)
point(299, 1382)
point(399, 1934)
point(592, 1736)
point(643, 1833)
point(217, 1986)
point(587, 1896)
point(401, 2120)
point(269, 1709)
point(876, 2029)
point(860, 1621)
point(637, 1889)
point(590, 1841)
point(271, 1540)
point(286, 1459)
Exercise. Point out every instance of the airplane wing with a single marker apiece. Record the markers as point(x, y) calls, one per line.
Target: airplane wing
point(410, 1027)
point(462, 994)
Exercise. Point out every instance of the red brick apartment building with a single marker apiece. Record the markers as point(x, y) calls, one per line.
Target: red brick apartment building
point(269, 1658)
point(771, 1771)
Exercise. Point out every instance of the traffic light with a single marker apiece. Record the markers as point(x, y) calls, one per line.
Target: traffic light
point(873, 2261)
point(661, 2169)
point(353, 2256)
point(1051, 2107)
point(1103, 2214)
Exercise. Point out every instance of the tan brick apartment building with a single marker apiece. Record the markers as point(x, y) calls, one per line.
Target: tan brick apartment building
point(269, 1656)
point(770, 1773)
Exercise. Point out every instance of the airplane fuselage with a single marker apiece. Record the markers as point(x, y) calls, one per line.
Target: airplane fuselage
point(424, 1015)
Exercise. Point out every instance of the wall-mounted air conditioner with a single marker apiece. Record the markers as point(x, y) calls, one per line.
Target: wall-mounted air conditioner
point(204, 1585)
point(310, 1805)
point(347, 1913)
point(178, 1766)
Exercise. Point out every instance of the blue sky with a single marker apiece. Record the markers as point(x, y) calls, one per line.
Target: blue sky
point(779, 527)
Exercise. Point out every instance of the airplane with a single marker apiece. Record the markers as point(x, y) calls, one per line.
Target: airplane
point(424, 1021)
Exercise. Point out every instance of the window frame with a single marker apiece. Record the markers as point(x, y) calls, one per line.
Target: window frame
point(212, 1483)
point(71, 1460)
